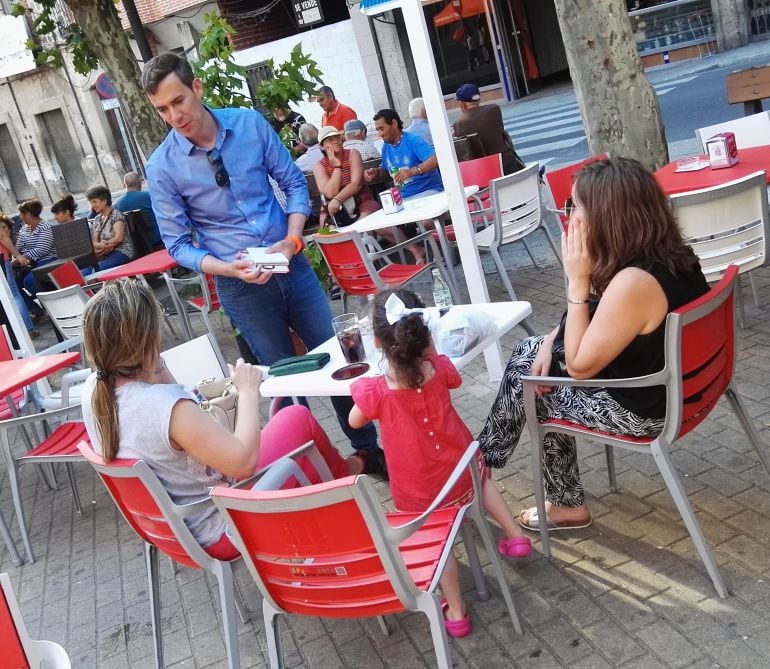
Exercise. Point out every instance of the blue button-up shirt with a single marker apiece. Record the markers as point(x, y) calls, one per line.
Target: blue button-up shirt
point(185, 196)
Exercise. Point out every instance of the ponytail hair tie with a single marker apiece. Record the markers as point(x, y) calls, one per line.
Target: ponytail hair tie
point(102, 375)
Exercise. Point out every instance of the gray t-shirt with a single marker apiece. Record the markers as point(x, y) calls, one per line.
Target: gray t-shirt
point(144, 414)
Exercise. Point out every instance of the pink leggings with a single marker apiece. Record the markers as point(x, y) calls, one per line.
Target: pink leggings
point(291, 427)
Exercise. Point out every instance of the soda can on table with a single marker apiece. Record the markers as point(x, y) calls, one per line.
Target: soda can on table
point(391, 200)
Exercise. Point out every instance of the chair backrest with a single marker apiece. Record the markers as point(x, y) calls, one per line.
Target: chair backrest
point(480, 171)
point(147, 508)
point(749, 131)
point(560, 181)
point(320, 548)
point(67, 274)
point(14, 654)
point(139, 229)
point(195, 360)
point(19, 651)
point(73, 240)
point(726, 224)
point(349, 263)
point(516, 205)
point(700, 356)
point(65, 307)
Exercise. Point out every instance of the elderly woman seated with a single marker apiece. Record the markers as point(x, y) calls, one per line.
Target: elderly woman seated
point(112, 241)
point(340, 178)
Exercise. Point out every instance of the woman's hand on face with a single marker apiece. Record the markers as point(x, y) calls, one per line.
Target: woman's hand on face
point(574, 251)
point(331, 157)
point(246, 377)
point(541, 366)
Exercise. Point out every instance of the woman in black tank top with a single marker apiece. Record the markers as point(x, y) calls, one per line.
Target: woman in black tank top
point(623, 247)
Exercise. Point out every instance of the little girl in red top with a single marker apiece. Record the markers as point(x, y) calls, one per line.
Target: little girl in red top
point(422, 435)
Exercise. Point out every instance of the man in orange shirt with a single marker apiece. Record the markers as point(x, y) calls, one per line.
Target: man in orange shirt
point(335, 113)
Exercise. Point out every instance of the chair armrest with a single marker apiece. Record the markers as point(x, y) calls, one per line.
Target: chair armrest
point(399, 533)
point(656, 379)
point(397, 247)
point(279, 472)
point(70, 379)
point(308, 450)
point(39, 417)
point(186, 510)
point(62, 346)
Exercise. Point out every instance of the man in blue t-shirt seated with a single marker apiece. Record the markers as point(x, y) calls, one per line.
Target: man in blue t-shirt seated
point(136, 198)
point(411, 162)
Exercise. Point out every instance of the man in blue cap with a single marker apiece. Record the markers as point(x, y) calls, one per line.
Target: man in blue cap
point(487, 123)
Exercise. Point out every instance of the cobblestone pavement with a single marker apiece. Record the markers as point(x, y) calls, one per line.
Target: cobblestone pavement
point(627, 592)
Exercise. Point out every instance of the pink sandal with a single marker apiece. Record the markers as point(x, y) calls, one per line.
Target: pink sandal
point(515, 547)
point(455, 628)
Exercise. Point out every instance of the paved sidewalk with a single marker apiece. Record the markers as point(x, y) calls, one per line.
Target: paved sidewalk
point(627, 592)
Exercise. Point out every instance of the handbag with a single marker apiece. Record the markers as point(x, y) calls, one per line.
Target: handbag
point(220, 401)
point(558, 356)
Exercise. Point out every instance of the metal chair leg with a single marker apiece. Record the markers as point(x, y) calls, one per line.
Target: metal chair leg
point(224, 574)
point(243, 613)
point(739, 303)
point(13, 478)
point(446, 253)
point(74, 487)
point(754, 288)
point(9, 544)
point(273, 634)
point(153, 579)
point(610, 456)
point(552, 242)
point(748, 426)
point(679, 495)
point(476, 513)
point(482, 591)
point(383, 626)
point(529, 252)
point(429, 605)
point(502, 272)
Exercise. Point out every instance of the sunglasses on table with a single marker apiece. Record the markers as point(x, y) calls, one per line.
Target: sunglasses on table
point(220, 176)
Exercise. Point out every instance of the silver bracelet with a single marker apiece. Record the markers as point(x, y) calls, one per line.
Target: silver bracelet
point(571, 301)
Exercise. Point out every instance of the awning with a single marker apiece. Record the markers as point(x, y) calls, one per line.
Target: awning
point(449, 14)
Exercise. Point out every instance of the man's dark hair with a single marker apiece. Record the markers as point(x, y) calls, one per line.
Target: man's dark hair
point(389, 115)
point(99, 193)
point(325, 90)
point(159, 67)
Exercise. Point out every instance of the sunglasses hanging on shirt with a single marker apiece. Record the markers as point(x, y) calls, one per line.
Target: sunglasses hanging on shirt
point(221, 176)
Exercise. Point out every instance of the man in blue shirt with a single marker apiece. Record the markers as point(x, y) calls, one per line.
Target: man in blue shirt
point(420, 125)
point(209, 177)
point(414, 159)
point(136, 198)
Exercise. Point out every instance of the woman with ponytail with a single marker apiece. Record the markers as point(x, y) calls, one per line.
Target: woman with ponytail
point(422, 435)
point(133, 408)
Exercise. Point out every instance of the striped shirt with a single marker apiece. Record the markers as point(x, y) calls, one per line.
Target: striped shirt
point(38, 243)
point(364, 195)
point(367, 150)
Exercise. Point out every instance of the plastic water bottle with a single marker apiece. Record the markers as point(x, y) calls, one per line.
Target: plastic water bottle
point(442, 297)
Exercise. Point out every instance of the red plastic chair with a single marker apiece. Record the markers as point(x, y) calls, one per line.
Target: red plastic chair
point(352, 265)
point(160, 523)
point(698, 370)
point(58, 446)
point(205, 304)
point(329, 550)
point(19, 651)
point(560, 183)
point(18, 398)
point(69, 274)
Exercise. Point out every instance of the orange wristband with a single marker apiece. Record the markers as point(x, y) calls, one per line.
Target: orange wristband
point(298, 243)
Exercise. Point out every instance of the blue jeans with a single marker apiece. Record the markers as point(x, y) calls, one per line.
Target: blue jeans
point(264, 314)
point(17, 296)
point(114, 259)
point(30, 284)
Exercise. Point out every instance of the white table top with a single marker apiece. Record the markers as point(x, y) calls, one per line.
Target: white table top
point(417, 209)
point(319, 383)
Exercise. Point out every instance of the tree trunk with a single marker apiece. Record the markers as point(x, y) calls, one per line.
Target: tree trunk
point(619, 107)
point(110, 45)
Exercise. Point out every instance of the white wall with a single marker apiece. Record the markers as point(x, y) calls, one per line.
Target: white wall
point(334, 49)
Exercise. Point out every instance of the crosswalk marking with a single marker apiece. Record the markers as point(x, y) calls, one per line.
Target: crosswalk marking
point(562, 124)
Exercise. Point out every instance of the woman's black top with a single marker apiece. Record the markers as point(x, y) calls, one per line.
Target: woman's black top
point(645, 354)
